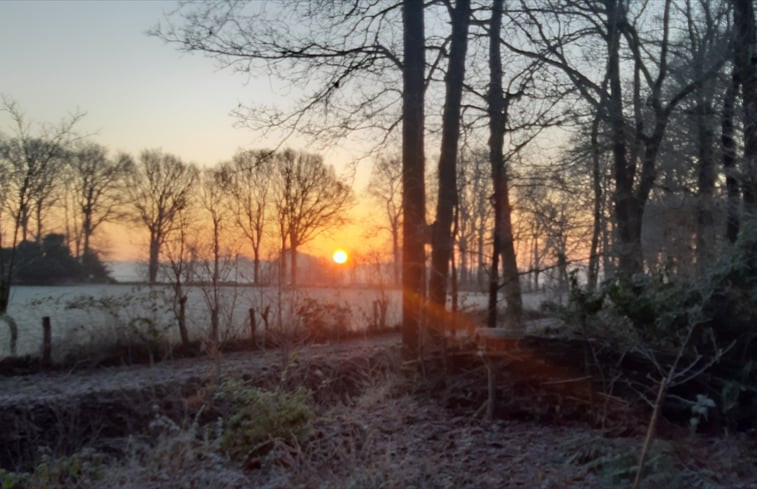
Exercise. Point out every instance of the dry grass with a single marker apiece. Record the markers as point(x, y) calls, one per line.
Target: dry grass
point(374, 429)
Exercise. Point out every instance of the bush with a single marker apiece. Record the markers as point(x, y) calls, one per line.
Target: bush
point(653, 313)
point(82, 469)
point(50, 263)
point(256, 418)
point(323, 321)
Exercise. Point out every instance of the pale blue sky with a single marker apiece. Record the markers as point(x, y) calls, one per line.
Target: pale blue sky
point(138, 92)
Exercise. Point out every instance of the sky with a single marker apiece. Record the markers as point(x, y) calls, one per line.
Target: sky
point(138, 92)
point(60, 57)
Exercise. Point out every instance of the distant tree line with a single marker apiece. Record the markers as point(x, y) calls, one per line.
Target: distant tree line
point(58, 190)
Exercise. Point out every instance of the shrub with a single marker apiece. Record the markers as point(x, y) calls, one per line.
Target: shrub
point(82, 469)
point(257, 417)
point(653, 313)
point(323, 321)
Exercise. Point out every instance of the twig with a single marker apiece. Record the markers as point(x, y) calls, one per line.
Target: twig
point(650, 431)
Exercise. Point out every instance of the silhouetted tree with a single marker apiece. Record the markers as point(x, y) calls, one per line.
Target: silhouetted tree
point(413, 173)
point(503, 229)
point(441, 241)
point(247, 179)
point(385, 188)
point(29, 164)
point(97, 190)
point(309, 199)
point(746, 66)
point(211, 190)
point(159, 188)
point(181, 254)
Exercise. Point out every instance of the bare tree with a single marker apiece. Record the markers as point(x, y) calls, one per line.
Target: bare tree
point(503, 230)
point(212, 201)
point(337, 50)
point(385, 187)
point(623, 29)
point(447, 190)
point(97, 183)
point(474, 210)
point(33, 162)
point(309, 199)
point(28, 166)
point(247, 180)
point(181, 254)
point(159, 188)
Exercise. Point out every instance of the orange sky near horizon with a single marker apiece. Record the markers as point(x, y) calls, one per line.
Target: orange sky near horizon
point(360, 237)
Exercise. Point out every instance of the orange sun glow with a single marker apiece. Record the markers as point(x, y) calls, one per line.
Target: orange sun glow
point(340, 256)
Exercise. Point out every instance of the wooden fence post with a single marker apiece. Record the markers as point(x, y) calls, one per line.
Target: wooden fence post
point(46, 341)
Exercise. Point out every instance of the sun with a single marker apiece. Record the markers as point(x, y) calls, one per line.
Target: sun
point(340, 257)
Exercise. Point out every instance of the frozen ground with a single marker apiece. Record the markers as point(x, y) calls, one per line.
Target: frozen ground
point(85, 315)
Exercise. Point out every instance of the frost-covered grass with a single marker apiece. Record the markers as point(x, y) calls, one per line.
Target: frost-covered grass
point(89, 316)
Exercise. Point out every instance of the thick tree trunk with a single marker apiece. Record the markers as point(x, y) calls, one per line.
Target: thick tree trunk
point(181, 312)
point(413, 186)
point(729, 160)
point(627, 215)
point(447, 191)
point(38, 217)
point(152, 266)
point(396, 256)
point(706, 183)
point(86, 233)
point(256, 264)
point(293, 265)
point(746, 63)
point(491, 312)
point(503, 234)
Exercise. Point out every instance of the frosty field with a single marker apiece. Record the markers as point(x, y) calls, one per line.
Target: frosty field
point(84, 316)
point(87, 314)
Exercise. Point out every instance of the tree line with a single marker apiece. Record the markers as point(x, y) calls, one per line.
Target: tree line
point(59, 189)
point(618, 133)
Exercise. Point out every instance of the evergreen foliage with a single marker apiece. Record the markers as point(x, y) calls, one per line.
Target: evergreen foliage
point(51, 263)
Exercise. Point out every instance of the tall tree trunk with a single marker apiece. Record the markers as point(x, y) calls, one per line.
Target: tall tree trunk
point(180, 309)
point(706, 183)
point(413, 185)
point(152, 266)
point(596, 180)
point(396, 258)
point(215, 309)
point(729, 160)
point(38, 217)
point(626, 207)
point(503, 233)
point(293, 264)
point(256, 265)
point(86, 233)
point(746, 63)
point(447, 191)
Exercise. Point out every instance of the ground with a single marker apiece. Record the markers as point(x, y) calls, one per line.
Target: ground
point(378, 424)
